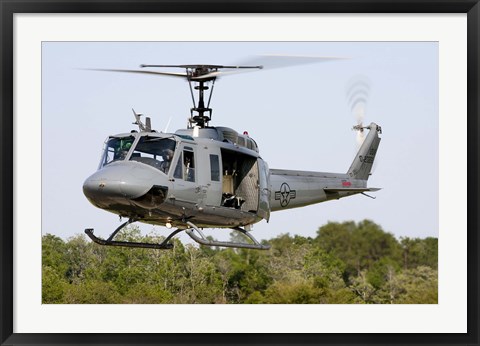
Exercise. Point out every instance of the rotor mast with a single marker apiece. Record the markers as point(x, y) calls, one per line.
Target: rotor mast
point(197, 113)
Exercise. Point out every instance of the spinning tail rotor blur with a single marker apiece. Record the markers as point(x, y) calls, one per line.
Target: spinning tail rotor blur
point(357, 93)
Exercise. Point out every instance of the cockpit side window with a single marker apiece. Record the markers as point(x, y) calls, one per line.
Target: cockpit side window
point(154, 151)
point(178, 169)
point(116, 149)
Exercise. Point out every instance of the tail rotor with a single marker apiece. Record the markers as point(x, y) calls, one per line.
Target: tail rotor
point(358, 91)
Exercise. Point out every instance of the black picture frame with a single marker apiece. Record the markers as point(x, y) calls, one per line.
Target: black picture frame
point(9, 7)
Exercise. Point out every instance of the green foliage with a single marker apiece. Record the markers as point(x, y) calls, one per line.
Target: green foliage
point(420, 252)
point(381, 271)
point(92, 292)
point(145, 293)
point(299, 292)
point(53, 286)
point(359, 246)
point(347, 263)
point(419, 286)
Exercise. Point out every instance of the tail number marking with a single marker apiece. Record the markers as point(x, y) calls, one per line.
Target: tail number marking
point(366, 159)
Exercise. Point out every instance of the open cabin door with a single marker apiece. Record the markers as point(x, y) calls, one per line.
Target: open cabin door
point(240, 181)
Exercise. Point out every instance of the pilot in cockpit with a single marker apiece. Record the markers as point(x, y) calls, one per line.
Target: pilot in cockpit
point(167, 156)
point(122, 151)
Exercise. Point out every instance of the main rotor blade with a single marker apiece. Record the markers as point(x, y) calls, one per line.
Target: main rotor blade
point(259, 62)
point(203, 66)
point(271, 61)
point(204, 77)
point(170, 74)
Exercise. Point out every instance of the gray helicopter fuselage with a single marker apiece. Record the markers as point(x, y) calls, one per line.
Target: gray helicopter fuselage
point(212, 176)
point(210, 179)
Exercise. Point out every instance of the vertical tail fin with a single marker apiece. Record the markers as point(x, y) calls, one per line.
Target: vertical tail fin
point(363, 162)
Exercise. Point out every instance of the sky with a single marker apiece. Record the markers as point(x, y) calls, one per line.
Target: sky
point(300, 116)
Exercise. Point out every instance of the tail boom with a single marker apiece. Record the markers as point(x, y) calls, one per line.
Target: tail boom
point(294, 189)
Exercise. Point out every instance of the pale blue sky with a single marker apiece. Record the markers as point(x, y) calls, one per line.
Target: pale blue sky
point(299, 116)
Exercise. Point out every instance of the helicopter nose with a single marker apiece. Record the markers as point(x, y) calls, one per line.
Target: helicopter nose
point(114, 184)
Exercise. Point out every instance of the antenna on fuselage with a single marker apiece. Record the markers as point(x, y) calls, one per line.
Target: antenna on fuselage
point(168, 124)
point(147, 127)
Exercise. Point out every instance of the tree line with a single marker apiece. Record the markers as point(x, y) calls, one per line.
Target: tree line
point(346, 263)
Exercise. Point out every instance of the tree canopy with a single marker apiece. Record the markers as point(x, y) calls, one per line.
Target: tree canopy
point(346, 263)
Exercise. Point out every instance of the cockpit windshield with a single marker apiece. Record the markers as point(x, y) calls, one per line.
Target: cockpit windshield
point(116, 149)
point(154, 151)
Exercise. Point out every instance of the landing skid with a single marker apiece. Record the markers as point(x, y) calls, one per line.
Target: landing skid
point(166, 245)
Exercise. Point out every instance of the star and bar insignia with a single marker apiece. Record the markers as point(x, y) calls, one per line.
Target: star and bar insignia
point(285, 194)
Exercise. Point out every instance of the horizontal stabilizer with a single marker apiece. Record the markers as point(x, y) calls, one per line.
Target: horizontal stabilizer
point(351, 189)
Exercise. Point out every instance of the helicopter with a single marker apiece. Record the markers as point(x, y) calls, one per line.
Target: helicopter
point(207, 176)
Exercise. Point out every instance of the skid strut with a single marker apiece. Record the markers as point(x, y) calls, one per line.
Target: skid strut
point(166, 245)
point(205, 241)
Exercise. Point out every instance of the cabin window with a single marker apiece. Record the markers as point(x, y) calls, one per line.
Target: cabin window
point(185, 168)
point(154, 151)
point(189, 166)
point(116, 149)
point(214, 168)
